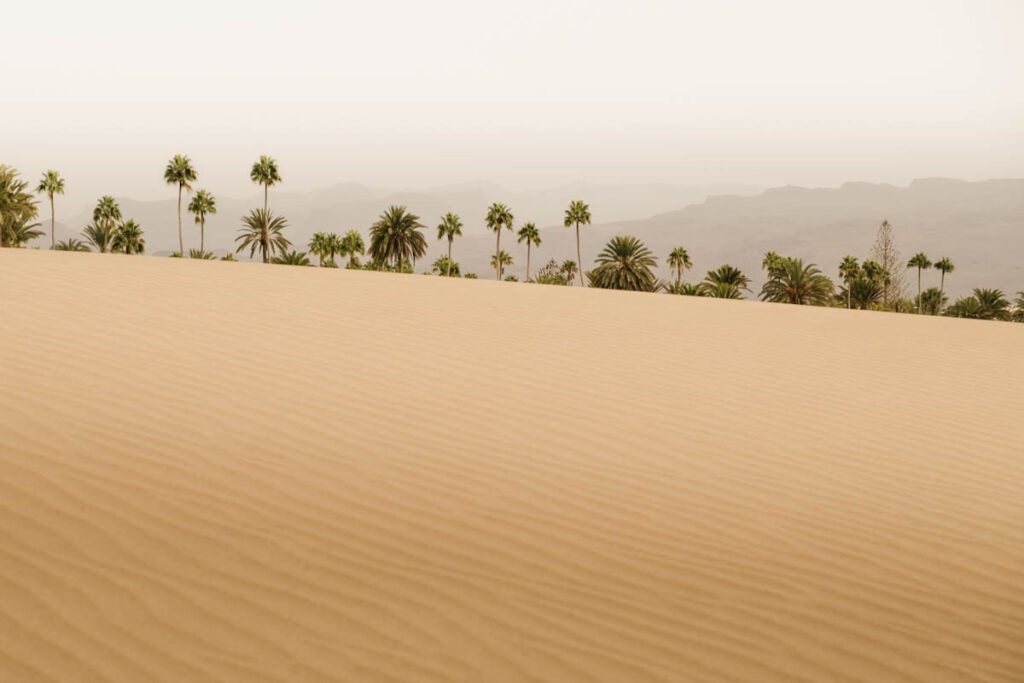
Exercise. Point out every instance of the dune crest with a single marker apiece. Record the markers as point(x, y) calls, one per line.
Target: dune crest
point(234, 472)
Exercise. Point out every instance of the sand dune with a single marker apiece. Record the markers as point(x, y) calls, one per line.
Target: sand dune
point(234, 472)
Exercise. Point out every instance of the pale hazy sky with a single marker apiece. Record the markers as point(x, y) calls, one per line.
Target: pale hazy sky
point(526, 92)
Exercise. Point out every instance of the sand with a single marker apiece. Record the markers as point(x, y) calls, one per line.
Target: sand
point(235, 472)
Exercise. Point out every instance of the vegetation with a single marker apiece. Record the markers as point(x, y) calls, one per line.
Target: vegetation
point(679, 261)
point(71, 244)
point(501, 260)
point(262, 231)
point(625, 263)
point(179, 171)
point(790, 281)
point(128, 239)
point(203, 204)
point(100, 235)
point(449, 228)
point(531, 236)
point(499, 218)
point(51, 184)
point(445, 267)
point(577, 214)
point(397, 238)
point(352, 245)
point(265, 172)
point(728, 282)
point(292, 258)
point(18, 209)
point(983, 304)
point(920, 261)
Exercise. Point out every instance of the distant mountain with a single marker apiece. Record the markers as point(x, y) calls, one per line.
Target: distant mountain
point(349, 206)
point(980, 225)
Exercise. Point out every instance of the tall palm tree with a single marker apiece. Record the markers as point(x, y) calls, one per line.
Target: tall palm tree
point(569, 270)
point(352, 245)
point(203, 204)
point(920, 261)
point(501, 260)
point(449, 228)
point(727, 282)
point(625, 263)
point(679, 262)
point(531, 235)
point(848, 270)
point(499, 218)
point(793, 282)
point(71, 244)
point(51, 184)
point(577, 214)
point(264, 232)
point(265, 172)
point(397, 236)
point(128, 239)
point(179, 171)
point(944, 266)
point(100, 234)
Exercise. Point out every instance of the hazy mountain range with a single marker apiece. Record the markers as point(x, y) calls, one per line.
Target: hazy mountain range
point(980, 225)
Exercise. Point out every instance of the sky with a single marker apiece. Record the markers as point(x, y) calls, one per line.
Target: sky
point(528, 94)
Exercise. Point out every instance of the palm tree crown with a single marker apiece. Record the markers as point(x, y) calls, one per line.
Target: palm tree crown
point(51, 184)
point(576, 215)
point(71, 244)
point(920, 261)
point(352, 245)
point(128, 239)
point(263, 231)
point(728, 282)
point(397, 237)
point(625, 263)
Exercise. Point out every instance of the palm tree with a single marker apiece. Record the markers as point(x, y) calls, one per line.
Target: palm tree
point(322, 245)
point(793, 282)
point(200, 254)
point(128, 239)
point(263, 231)
point(679, 262)
point(920, 261)
point(292, 258)
point(1018, 308)
point(944, 266)
point(17, 204)
point(352, 245)
point(499, 218)
point(529, 234)
point(16, 232)
point(180, 172)
point(71, 244)
point(203, 204)
point(500, 260)
point(625, 263)
point(992, 304)
point(265, 172)
point(51, 184)
point(569, 270)
point(865, 292)
point(771, 264)
point(848, 270)
point(933, 301)
point(684, 289)
point(107, 211)
point(397, 236)
point(100, 235)
point(577, 214)
point(728, 282)
point(445, 267)
point(449, 228)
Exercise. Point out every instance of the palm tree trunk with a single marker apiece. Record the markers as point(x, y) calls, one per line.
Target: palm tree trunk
point(527, 260)
point(579, 258)
point(919, 311)
point(497, 256)
point(942, 286)
point(181, 238)
point(53, 222)
point(202, 234)
point(449, 273)
point(265, 195)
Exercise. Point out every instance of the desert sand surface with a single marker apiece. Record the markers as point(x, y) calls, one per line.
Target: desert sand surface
point(235, 472)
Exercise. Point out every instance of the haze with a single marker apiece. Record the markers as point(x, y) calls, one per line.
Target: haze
point(527, 94)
